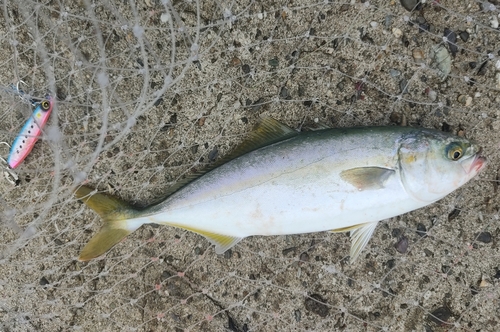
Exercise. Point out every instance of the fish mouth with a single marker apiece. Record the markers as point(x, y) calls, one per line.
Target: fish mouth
point(477, 164)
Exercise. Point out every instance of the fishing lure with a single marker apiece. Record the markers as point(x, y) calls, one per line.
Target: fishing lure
point(31, 131)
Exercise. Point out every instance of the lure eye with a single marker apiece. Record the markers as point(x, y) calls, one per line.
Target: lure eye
point(45, 105)
point(455, 152)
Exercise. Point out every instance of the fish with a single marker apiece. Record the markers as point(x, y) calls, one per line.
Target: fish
point(31, 131)
point(280, 181)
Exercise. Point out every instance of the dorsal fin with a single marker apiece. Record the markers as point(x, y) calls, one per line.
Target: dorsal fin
point(266, 132)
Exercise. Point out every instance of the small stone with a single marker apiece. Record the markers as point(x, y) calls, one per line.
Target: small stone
point(246, 69)
point(341, 86)
point(484, 237)
point(213, 154)
point(284, 93)
point(228, 254)
point(465, 100)
point(394, 72)
point(451, 38)
point(388, 21)
point(274, 62)
point(442, 60)
point(396, 117)
point(304, 257)
point(494, 22)
point(440, 315)
point(432, 94)
point(484, 283)
point(316, 304)
point(453, 214)
point(464, 35)
point(418, 55)
point(402, 245)
point(345, 7)
point(410, 5)
point(396, 232)
point(421, 229)
point(235, 62)
point(428, 253)
point(397, 32)
point(297, 315)
point(422, 27)
point(403, 86)
point(44, 281)
point(165, 17)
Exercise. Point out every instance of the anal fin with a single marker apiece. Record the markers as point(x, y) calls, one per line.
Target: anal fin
point(222, 242)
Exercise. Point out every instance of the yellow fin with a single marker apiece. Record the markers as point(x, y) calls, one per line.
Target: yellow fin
point(359, 239)
point(114, 213)
point(360, 235)
point(367, 178)
point(346, 229)
point(110, 234)
point(222, 242)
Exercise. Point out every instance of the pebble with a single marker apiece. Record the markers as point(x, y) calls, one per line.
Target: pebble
point(44, 281)
point(418, 55)
point(484, 237)
point(213, 154)
point(440, 315)
point(284, 93)
point(388, 21)
point(394, 72)
point(442, 59)
point(451, 39)
point(315, 304)
point(397, 32)
point(246, 69)
point(498, 80)
point(235, 62)
point(494, 22)
point(398, 118)
point(403, 86)
point(497, 274)
point(273, 62)
point(464, 35)
point(402, 245)
point(432, 94)
point(465, 100)
point(410, 5)
point(421, 229)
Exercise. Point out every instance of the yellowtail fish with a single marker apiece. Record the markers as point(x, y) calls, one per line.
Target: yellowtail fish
point(280, 182)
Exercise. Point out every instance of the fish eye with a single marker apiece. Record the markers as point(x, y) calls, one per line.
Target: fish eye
point(455, 152)
point(45, 105)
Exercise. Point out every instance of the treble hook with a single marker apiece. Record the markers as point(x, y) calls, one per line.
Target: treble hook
point(8, 173)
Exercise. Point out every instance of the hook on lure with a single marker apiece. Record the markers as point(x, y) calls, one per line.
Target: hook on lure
point(8, 173)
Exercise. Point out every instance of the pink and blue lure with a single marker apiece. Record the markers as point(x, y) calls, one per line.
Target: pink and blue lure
point(31, 131)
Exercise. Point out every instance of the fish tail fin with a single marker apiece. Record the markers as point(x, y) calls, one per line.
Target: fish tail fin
point(114, 213)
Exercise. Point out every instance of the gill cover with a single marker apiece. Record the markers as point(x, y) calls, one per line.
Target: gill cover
point(434, 164)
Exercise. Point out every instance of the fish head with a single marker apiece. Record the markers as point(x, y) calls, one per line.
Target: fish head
point(433, 164)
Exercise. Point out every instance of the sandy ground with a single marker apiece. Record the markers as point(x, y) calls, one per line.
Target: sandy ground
point(149, 93)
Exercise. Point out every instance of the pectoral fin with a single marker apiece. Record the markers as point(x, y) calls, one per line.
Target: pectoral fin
point(360, 235)
point(367, 178)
